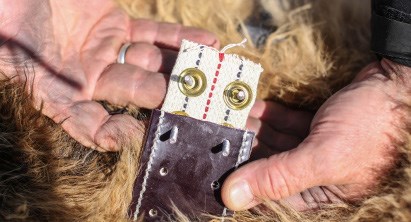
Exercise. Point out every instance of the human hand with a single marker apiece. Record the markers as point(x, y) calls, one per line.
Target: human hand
point(352, 142)
point(278, 128)
point(73, 47)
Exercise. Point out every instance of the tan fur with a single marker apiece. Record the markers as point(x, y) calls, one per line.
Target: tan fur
point(316, 50)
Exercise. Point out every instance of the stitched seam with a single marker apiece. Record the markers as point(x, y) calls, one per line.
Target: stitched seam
point(150, 162)
point(242, 149)
point(210, 95)
point(240, 155)
point(396, 14)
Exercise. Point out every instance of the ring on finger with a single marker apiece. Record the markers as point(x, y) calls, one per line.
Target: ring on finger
point(121, 58)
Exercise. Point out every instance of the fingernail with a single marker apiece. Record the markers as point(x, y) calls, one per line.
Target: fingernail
point(241, 195)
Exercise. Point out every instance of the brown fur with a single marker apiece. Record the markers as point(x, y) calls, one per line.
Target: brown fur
point(47, 176)
point(317, 49)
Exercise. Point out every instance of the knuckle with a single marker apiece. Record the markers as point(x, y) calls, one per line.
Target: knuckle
point(277, 187)
point(144, 55)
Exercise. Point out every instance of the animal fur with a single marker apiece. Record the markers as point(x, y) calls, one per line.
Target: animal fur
point(316, 49)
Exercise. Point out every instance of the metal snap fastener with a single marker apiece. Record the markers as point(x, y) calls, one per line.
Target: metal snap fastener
point(163, 171)
point(152, 212)
point(227, 125)
point(192, 82)
point(180, 113)
point(215, 185)
point(237, 95)
point(174, 135)
point(226, 147)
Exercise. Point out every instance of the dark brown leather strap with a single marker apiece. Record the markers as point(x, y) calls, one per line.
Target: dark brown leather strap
point(184, 163)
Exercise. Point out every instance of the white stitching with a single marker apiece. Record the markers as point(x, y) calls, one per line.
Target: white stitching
point(239, 161)
point(150, 162)
point(229, 46)
point(242, 149)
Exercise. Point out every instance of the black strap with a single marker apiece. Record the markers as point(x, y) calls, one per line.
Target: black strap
point(391, 39)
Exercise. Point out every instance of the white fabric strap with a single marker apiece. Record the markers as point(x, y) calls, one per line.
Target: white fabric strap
point(220, 70)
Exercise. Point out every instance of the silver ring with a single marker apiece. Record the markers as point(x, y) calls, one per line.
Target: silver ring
point(121, 58)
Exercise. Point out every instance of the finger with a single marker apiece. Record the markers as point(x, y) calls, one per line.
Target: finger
point(260, 150)
point(275, 178)
point(282, 118)
point(313, 198)
point(275, 140)
point(369, 70)
point(90, 124)
point(169, 34)
point(150, 57)
point(124, 84)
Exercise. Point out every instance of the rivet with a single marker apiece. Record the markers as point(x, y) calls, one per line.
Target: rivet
point(226, 147)
point(189, 81)
point(174, 135)
point(192, 82)
point(163, 171)
point(237, 95)
point(152, 212)
point(215, 185)
point(241, 95)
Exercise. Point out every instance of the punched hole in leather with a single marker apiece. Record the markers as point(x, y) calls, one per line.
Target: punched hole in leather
point(184, 170)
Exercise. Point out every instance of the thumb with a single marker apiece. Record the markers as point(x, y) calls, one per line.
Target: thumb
point(273, 178)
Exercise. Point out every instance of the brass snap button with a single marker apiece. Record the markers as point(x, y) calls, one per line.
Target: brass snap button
point(180, 113)
point(192, 82)
point(227, 125)
point(237, 95)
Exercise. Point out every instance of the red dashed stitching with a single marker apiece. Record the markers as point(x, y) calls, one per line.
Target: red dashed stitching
point(217, 72)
